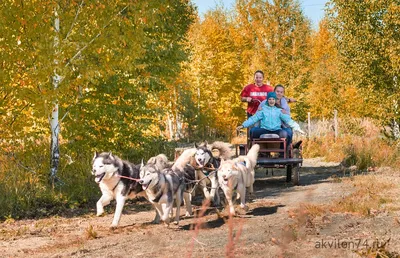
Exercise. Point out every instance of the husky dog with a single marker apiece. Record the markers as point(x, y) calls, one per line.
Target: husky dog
point(107, 169)
point(163, 186)
point(207, 166)
point(160, 161)
point(238, 173)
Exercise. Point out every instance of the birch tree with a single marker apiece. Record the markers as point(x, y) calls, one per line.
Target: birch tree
point(55, 53)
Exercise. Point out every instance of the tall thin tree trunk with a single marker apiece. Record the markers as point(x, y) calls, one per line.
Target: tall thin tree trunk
point(396, 126)
point(170, 128)
point(54, 121)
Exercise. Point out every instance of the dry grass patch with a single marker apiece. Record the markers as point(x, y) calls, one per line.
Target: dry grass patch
point(372, 194)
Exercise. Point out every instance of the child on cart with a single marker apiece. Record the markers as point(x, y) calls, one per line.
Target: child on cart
point(271, 118)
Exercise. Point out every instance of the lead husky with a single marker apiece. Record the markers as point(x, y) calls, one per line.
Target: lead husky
point(107, 169)
point(207, 166)
point(238, 173)
point(164, 186)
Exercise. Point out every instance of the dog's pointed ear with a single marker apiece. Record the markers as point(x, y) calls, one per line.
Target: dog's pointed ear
point(96, 154)
point(195, 145)
point(110, 155)
point(205, 143)
point(141, 164)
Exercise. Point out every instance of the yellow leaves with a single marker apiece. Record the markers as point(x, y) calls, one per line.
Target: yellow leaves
point(221, 110)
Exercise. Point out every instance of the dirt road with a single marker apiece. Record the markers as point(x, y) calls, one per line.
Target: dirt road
point(274, 226)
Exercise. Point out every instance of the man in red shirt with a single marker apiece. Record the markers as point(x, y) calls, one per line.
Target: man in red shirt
point(253, 94)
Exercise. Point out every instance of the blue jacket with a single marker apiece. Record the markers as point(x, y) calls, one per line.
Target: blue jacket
point(271, 118)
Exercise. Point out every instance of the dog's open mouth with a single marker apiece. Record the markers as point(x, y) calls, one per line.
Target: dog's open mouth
point(98, 178)
point(145, 186)
point(200, 163)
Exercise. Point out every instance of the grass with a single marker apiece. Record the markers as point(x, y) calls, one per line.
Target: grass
point(371, 194)
point(26, 193)
point(354, 150)
point(378, 250)
point(90, 233)
point(360, 143)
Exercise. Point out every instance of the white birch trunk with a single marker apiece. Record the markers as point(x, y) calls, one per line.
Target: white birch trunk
point(170, 129)
point(396, 126)
point(54, 121)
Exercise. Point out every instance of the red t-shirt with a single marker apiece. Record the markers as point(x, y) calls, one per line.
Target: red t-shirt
point(257, 93)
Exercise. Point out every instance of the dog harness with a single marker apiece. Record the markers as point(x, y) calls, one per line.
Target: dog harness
point(160, 192)
point(241, 163)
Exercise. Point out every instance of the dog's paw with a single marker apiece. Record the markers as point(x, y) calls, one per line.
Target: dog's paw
point(176, 222)
point(113, 227)
point(188, 215)
point(100, 214)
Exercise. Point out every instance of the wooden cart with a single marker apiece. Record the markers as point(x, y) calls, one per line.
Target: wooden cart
point(274, 153)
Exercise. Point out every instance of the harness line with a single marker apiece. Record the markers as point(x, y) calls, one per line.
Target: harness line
point(130, 178)
point(198, 181)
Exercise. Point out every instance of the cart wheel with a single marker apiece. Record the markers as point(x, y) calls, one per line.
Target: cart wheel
point(288, 173)
point(296, 175)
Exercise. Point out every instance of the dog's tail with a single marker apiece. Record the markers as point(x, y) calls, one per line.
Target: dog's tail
point(252, 155)
point(223, 148)
point(160, 161)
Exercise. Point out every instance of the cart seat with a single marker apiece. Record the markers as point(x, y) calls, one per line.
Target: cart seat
point(269, 136)
point(270, 143)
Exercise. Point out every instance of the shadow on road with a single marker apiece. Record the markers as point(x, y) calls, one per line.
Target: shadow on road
point(272, 182)
point(262, 211)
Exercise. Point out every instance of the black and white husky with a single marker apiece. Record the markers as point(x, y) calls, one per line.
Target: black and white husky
point(107, 169)
point(207, 166)
point(163, 186)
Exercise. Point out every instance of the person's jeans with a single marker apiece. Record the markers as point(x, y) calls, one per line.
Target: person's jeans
point(289, 132)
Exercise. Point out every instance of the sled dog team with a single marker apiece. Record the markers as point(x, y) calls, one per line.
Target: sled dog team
point(162, 182)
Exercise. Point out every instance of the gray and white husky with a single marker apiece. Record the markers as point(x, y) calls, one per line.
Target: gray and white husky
point(107, 169)
point(163, 186)
point(207, 166)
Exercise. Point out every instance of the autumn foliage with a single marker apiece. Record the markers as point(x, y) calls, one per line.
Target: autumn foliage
point(140, 77)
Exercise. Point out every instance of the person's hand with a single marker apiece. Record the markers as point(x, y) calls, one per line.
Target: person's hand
point(284, 111)
point(249, 99)
point(300, 131)
point(239, 127)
